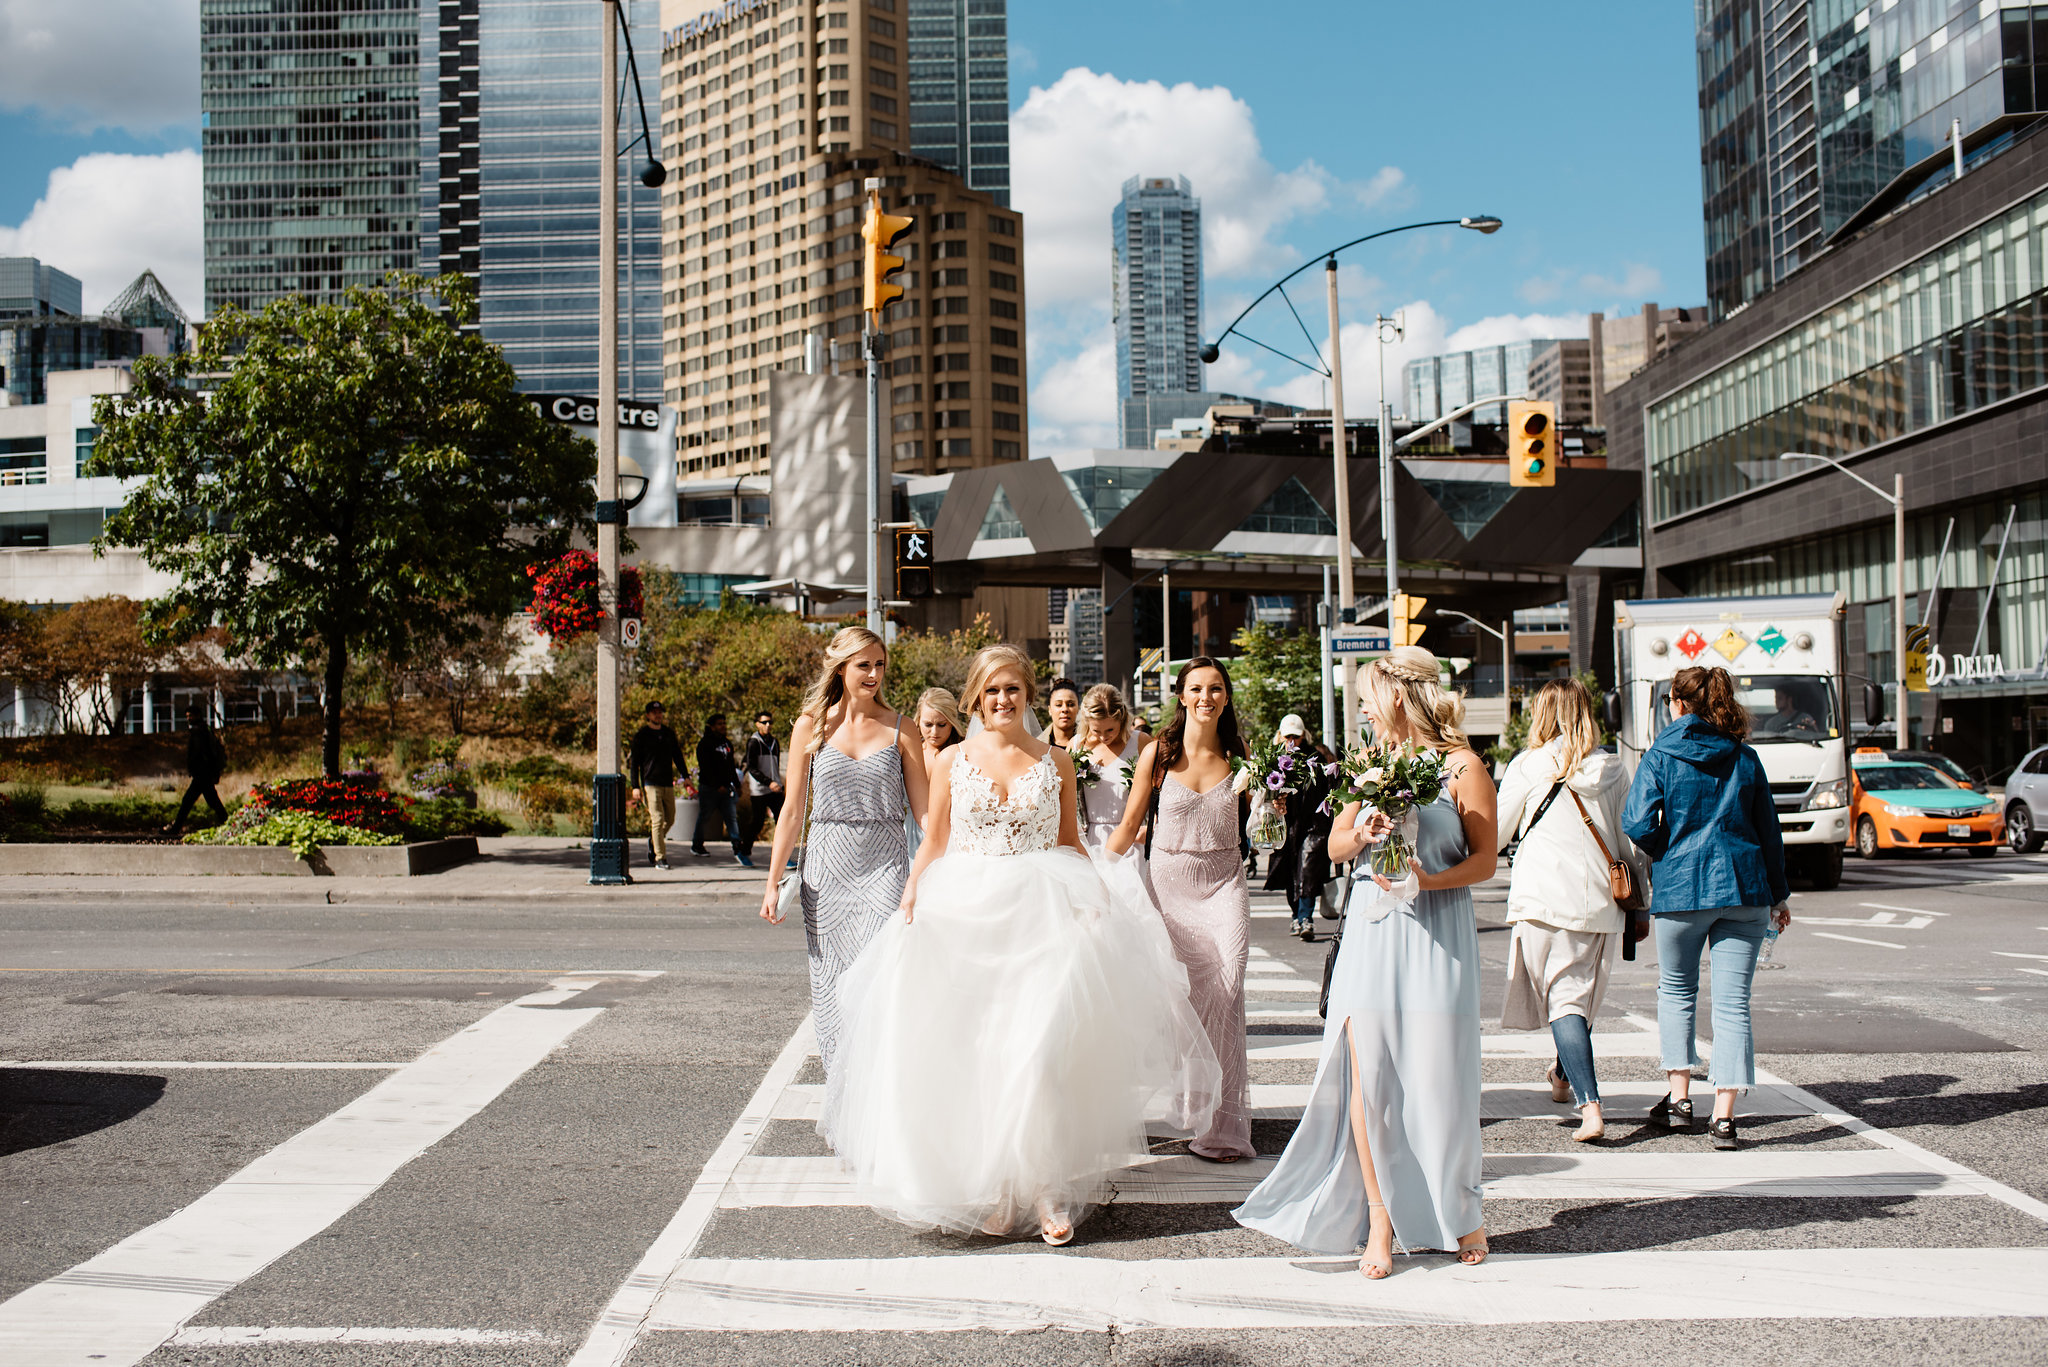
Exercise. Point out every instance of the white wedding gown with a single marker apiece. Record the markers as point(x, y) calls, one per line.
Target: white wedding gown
point(1001, 1054)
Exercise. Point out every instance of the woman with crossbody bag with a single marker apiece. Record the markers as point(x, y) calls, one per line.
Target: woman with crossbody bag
point(1564, 795)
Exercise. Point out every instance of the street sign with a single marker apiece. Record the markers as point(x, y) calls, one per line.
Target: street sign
point(1357, 641)
point(629, 632)
point(1151, 660)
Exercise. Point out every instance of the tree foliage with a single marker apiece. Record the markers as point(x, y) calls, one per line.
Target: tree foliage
point(1276, 672)
point(935, 659)
point(735, 659)
point(328, 479)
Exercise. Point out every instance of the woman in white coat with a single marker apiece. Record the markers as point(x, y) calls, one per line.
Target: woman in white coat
point(1566, 923)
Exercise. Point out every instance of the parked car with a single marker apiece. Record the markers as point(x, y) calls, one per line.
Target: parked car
point(1896, 806)
point(2026, 803)
point(1940, 763)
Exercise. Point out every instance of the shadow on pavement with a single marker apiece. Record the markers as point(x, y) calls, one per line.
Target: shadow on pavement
point(1917, 1099)
point(44, 1106)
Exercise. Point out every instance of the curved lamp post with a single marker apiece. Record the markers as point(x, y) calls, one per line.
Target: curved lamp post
point(1897, 498)
point(1333, 371)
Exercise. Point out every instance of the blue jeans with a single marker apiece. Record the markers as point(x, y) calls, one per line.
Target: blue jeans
point(1733, 937)
point(729, 804)
point(1305, 909)
point(1574, 1041)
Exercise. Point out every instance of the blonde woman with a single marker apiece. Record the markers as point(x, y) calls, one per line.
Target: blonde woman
point(857, 780)
point(939, 724)
point(1566, 923)
point(1007, 1037)
point(1113, 746)
point(1389, 1142)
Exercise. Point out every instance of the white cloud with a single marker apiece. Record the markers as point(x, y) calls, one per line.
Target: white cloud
point(1636, 281)
point(92, 64)
point(1073, 405)
point(1515, 327)
point(1388, 189)
point(109, 216)
point(1074, 143)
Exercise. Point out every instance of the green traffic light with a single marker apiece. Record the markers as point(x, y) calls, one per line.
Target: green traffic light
point(1535, 467)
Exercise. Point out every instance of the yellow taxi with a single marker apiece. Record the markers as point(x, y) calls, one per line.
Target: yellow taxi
point(1900, 805)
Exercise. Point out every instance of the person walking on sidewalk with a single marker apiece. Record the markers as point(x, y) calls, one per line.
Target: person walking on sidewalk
point(718, 784)
point(1561, 904)
point(206, 759)
point(1301, 866)
point(654, 760)
point(1701, 808)
point(763, 765)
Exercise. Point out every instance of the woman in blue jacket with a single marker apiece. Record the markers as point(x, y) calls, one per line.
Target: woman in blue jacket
point(1701, 809)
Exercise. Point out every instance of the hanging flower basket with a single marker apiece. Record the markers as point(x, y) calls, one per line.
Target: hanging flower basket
point(565, 596)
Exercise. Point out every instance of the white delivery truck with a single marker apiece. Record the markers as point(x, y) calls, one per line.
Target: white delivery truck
point(1787, 658)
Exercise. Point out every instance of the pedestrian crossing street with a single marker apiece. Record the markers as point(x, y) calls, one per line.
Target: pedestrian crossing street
point(733, 1260)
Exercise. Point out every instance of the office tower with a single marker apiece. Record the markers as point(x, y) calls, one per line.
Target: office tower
point(1433, 386)
point(1816, 119)
point(309, 130)
point(43, 331)
point(1562, 372)
point(773, 116)
point(1156, 286)
point(510, 111)
point(28, 289)
point(960, 90)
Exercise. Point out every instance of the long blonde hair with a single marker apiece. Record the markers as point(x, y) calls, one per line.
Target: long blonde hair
point(829, 688)
point(1105, 702)
point(1411, 676)
point(1563, 709)
point(986, 662)
point(946, 705)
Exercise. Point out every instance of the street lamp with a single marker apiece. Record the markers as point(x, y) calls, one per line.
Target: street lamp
point(1504, 636)
point(1333, 371)
point(1897, 498)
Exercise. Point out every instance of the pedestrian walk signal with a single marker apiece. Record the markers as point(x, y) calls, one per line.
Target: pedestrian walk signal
point(1406, 631)
point(914, 562)
point(881, 231)
point(1532, 443)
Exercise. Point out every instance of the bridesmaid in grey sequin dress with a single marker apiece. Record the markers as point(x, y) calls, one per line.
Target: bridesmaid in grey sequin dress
point(1197, 880)
point(859, 785)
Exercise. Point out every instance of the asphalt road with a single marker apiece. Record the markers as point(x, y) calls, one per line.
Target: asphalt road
point(538, 1133)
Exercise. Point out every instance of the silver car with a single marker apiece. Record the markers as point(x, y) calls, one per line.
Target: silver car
point(2026, 803)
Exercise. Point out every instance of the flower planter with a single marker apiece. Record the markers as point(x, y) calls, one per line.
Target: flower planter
point(333, 861)
point(685, 828)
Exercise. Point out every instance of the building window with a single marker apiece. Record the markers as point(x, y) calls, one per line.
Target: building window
point(907, 393)
point(1007, 422)
point(1005, 393)
point(951, 361)
point(907, 422)
point(1003, 365)
point(960, 448)
point(1003, 227)
point(881, 28)
point(956, 278)
point(1003, 308)
point(908, 450)
point(998, 252)
point(1009, 450)
point(1002, 280)
point(907, 365)
point(1002, 336)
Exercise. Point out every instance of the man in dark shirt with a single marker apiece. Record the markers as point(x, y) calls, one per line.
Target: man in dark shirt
point(206, 759)
point(718, 781)
point(655, 763)
point(764, 775)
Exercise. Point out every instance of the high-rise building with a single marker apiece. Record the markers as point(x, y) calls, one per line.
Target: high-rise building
point(309, 130)
point(1155, 235)
point(28, 289)
point(43, 331)
point(1435, 385)
point(1562, 372)
point(1817, 117)
point(774, 114)
point(1622, 345)
point(960, 90)
point(510, 116)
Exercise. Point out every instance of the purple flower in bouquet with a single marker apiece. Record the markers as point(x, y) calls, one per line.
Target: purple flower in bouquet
point(1275, 781)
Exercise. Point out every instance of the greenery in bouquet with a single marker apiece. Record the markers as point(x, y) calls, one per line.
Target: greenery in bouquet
point(1393, 780)
point(1273, 769)
point(1087, 773)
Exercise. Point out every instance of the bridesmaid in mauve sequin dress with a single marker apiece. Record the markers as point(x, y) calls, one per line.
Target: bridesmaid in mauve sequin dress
point(1197, 879)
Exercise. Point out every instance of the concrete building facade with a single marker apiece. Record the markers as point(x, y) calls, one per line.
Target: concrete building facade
point(1155, 254)
point(1562, 372)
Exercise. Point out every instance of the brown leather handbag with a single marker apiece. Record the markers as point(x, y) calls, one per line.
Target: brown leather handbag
point(1629, 893)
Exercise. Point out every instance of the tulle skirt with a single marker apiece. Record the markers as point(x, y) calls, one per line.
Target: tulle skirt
point(1003, 1054)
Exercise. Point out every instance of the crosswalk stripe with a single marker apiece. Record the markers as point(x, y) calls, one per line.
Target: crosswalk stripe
point(1034, 1290)
point(1632, 1044)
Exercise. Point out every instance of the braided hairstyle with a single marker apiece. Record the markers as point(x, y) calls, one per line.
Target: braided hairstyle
point(1412, 677)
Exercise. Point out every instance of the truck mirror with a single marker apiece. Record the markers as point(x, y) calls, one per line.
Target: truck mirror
point(1611, 709)
point(1873, 704)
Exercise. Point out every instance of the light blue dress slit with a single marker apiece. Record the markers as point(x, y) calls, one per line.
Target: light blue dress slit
point(1408, 986)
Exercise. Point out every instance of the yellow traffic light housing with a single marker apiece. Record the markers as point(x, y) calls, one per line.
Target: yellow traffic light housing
point(1403, 629)
point(881, 232)
point(1532, 443)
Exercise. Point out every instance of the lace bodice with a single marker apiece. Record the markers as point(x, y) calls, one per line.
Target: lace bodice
point(984, 822)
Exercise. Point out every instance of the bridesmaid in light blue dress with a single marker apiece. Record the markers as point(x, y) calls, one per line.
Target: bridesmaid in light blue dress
point(1389, 1142)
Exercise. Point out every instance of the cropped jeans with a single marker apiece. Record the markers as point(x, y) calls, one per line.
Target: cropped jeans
point(1732, 937)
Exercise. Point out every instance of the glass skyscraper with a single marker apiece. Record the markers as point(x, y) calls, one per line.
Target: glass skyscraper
point(1155, 234)
point(507, 179)
point(960, 90)
point(1435, 385)
point(1819, 116)
point(309, 118)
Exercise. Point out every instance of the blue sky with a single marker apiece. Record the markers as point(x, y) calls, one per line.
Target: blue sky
point(1574, 122)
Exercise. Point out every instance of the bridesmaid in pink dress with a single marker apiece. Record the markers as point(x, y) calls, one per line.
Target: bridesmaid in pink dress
point(1197, 878)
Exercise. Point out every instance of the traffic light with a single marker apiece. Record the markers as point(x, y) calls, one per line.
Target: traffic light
point(1532, 443)
point(913, 562)
point(881, 231)
point(1403, 629)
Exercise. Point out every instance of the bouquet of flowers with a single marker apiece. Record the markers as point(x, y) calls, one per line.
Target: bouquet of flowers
point(1271, 770)
point(1393, 780)
point(1087, 773)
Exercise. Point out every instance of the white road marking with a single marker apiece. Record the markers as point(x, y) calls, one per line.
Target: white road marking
point(624, 1318)
point(2042, 971)
point(152, 1065)
point(233, 1336)
point(1633, 1044)
point(2010, 954)
point(1910, 911)
point(1854, 939)
point(120, 1306)
point(1041, 1290)
point(1882, 919)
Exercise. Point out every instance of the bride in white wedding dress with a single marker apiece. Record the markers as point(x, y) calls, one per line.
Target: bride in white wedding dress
point(1004, 1042)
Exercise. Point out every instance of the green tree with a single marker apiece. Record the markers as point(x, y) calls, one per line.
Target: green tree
point(737, 659)
point(361, 477)
point(936, 659)
point(1276, 672)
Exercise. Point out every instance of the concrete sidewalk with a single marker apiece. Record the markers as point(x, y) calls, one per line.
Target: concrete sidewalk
point(511, 869)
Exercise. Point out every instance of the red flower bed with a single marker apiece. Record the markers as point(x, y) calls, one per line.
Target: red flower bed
point(565, 595)
point(349, 804)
